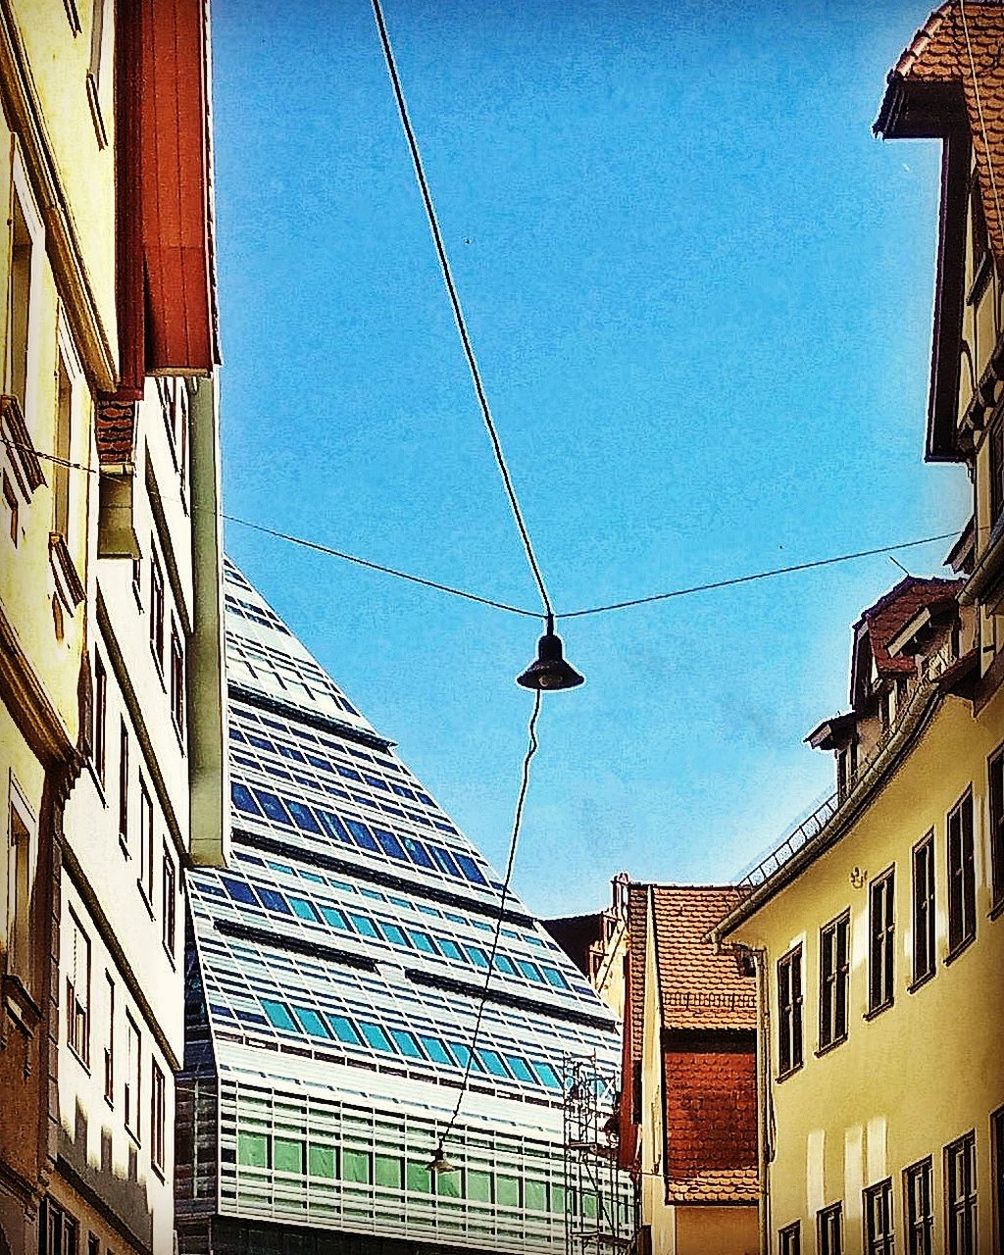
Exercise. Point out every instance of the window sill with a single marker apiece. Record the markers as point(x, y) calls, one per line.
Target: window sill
point(137, 592)
point(830, 1046)
point(874, 1012)
point(170, 956)
point(93, 100)
point(158, 1172)
point(134, 1137)
point(159, 666)
point(79, 1057)
point(110, 1102)
point(124, 846)
point(921, 981)
point(786, 1076)
point(997, 910)
point(146, 900)
point(958, 950)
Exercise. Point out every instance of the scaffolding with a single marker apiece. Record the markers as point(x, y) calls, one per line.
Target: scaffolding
point(600, 1201)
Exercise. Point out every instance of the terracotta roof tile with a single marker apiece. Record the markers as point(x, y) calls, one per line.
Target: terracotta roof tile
point(885, 619)
point(115, 431)
point(700, 987)
point(734, 1185)
point(938, 53)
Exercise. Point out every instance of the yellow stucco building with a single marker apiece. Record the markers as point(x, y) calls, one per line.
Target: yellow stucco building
point(877, 928)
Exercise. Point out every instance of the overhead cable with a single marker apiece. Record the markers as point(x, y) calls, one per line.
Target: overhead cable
point(458, 313)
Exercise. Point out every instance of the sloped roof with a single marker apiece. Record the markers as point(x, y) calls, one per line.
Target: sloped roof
point(883, 621)
point(939, 56)
point(699, 987)
point(728, 1185)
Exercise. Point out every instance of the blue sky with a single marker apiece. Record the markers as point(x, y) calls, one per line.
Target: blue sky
point(700, 292)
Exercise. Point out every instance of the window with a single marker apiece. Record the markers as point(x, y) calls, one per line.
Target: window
point(833, 969)
point(124, 785)
point(917, 1188)
point(60, 465)
point(960, 1195)
point(961, 880)
point(978, 223)
point(99, 741)
point(829, 1230)
point(789, 1240)
point(997, 1171)
point(881, 930)
point(133, 1076)
point(169, 892)
point(158, 1121)
point(78, 990)
point(156, 610)
point(879, 1238)
point(110, 1042)
point(145, 843)
point(923, 908)
point(996, 791)
point(96, 72)
point(21, 856)
point(789, 1011)
point(58, 1233)
point(177, 682)
point(20, 304)
point(996, 470)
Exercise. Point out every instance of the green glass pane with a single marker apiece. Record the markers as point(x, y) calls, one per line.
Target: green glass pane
point(419, 1180)
point(535, 1195)
point(388, 1171)
point(322, 1161)
point(557, 1198)
point(479, 1186)
point(355, 1166)
point(450, 1184)
point(507, 1191)
point(590, 1205)
point(288, 1155)
point(252, 1149)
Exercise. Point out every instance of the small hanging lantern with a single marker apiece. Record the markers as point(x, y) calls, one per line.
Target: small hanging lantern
point(549, 671)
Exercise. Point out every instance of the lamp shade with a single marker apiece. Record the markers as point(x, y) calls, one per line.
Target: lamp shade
point(549, 671)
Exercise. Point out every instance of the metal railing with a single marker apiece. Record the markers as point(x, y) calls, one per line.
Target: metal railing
point(919, 689)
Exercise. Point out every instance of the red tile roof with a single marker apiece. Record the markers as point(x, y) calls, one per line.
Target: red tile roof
point(890, 614)
point(939, 54)
point(699, 987)
point(730, 1185)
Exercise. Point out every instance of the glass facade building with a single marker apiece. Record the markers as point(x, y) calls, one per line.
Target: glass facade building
point(333, 977)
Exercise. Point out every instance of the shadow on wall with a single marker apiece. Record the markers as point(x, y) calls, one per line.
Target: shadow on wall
point(101, 1184)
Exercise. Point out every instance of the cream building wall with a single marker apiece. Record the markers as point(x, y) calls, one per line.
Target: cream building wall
point(924, 1071)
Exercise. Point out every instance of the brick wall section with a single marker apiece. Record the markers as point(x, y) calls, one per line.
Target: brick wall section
point(710, 1109)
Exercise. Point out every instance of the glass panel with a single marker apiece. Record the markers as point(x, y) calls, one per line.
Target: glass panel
point(504, 964)
point(375, 1036)
point(546, 1073)
point(554, 977)
point(304, 909)
point(418, 1178)
point(239, 891)
point(421, 941)
point(445, 860)
point(334, 826)
point(279, 1015)
point(530, 970)
point(242, 799)
point(322, 1161)
point(274, 901)
point(390, 844)
point(450, 1184)
point(477, 956)
point(388, 1171)
point(364, 925)
point(355, 1166)
point(535, 1195)
point(417, 852)
point(435, 1049)
point(393, 934)
point(507, 1191)
point(288, 1155)
point(493, 1062)
point(252, 1150)
point(362, 835)
point(303, 816)
point(406, 1043)
point(470, 869)
point(520, 1069)
point(479, 1186)
point(557, 1198)
point(463, 1053)
point(344, 1030)
point(311, 1022)
point(450, 949)
point(272, 807)
point(335, 918)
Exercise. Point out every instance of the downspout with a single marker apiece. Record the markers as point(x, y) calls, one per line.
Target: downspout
point(764, 1103)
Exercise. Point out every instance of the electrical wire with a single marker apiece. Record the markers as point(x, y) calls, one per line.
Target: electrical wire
point(517, 824)
point(493, 603)
point(757, 575)
point(458, 313)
